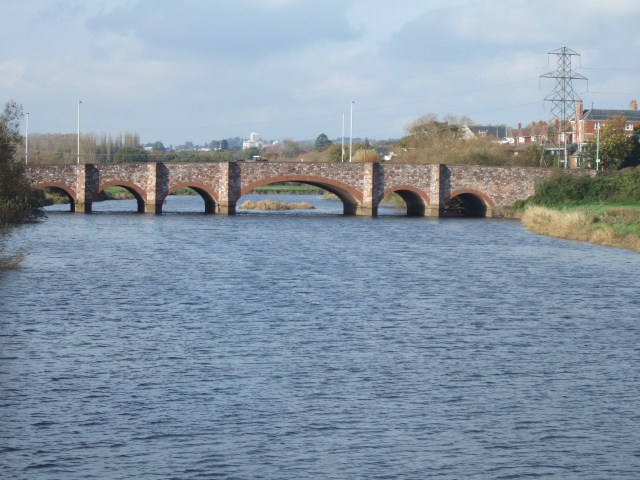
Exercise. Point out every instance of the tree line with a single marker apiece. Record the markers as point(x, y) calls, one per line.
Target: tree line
point(18, 204)
point(427, 139)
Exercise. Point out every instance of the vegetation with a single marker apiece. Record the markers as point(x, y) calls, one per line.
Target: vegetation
point(563, 189)
point(275, 205)
point(322, 142)
point(18, 204)
point(603, 210)
point(334, 152)
point(366, 156)
point(534, 156)
point(63, 148)
point(128, 154)
point(430, 140)
point(614, 226)
point(617, 150)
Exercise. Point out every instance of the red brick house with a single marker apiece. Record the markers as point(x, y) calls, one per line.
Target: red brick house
point(534, 132)
point(587, 122)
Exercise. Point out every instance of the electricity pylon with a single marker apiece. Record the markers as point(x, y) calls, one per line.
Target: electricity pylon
point(563, 98)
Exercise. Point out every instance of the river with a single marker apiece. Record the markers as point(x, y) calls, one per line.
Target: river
point(313, 345)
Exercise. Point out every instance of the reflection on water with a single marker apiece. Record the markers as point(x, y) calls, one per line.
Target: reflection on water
point(266, 346)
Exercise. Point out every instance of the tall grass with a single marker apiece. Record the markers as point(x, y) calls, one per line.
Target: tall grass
point(615, 227)
point(275, 205)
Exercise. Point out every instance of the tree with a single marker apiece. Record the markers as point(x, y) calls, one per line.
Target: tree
point(365, 144)
point(290, 149)
point(18, 204)
point(224, 145)
point(249, 153)
point(128, 154)
point(334, 152)
point(322, 142)
point(430, 140)
point(616, 149)
point(533, 156)
point(158, 147)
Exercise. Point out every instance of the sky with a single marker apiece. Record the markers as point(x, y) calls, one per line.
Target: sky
point(199, 71)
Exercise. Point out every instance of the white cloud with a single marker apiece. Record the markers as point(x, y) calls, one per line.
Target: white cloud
point(204, 70)
point(11, 72)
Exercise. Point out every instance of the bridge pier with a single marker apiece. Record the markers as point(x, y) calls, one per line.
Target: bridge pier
point(366, 211)
point(152, 208)
point(434, 211)
point(84, 207)
point(224, 208)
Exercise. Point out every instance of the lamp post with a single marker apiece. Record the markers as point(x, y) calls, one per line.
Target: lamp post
point(78, 160)
point(26, 148)
point(598, 147)
point(342, 137)
point(351, 133)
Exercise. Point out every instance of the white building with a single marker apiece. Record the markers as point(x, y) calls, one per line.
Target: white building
point(254, 141)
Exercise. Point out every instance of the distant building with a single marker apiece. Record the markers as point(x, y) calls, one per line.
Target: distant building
point(497, 131)
point(587, 122)
point(253, 142)
point(534, 132)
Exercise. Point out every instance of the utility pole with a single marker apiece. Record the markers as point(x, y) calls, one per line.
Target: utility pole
point(598, 147)
point(351, 134)
point(342, 137)
point(78, 160)
point(26, 148)
point(563, 98)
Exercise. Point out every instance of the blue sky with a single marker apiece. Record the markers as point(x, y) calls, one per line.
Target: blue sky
point(204, 70)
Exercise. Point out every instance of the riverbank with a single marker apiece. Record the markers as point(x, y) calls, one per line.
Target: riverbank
point(604, 210)
point(608, 225)
point(275, 205)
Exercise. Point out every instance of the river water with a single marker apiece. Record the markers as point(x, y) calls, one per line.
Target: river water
point(313, 345)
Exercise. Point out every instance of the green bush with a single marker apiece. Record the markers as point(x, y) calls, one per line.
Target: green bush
point(566, 189)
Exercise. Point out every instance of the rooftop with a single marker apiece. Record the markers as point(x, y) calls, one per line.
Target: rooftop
point(599, 115)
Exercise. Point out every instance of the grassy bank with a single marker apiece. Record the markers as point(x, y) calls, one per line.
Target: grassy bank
point(275, 205)
point(604, 210)
point(287, 190)
point(609, 225)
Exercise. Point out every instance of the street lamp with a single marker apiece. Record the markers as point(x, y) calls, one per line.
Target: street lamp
point(351, 133)
point(342, 160)
point(598, 147)
point(78, 161)
point(26, 148)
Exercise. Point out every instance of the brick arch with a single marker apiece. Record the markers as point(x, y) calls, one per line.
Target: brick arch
point(485, 198)
point(347, 194)
point(417, 201)
point(71, 193)
point(207, 193)
point(419, 193)
point(132, 187)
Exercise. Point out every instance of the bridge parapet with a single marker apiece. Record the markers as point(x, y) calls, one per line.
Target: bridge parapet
point(361, 186)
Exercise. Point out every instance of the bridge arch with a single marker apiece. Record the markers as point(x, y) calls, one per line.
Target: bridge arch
point(468, 202)
point(132, 188)
point(208, 195)
point(68, 191)
point(349, 196)
point(417, 201)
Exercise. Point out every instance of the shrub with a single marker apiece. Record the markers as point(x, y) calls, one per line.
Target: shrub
point(366, 156)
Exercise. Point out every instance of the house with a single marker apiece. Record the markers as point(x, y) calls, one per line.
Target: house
point(534, 132)
point(587, 122)
point(497, 131)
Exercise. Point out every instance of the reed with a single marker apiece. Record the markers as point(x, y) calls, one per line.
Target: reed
point(275, 205)
point(613, 227)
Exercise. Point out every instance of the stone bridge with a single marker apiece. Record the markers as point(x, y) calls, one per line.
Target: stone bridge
point(361, 186)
